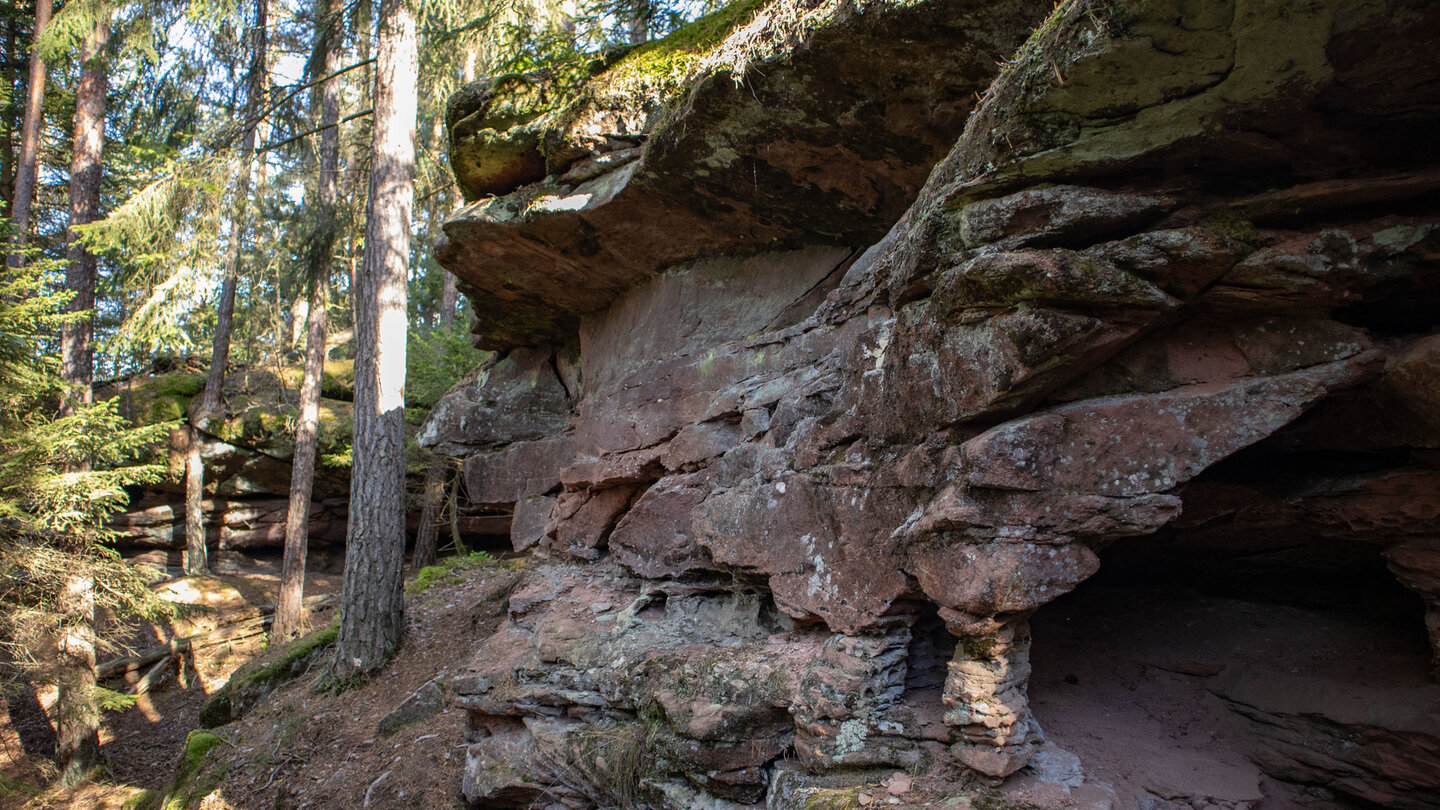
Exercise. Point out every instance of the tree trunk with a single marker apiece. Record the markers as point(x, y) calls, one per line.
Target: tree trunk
point(290, 611)
point(449, 299)
point(27, 163)
point(433, 496)
point(197, 556)
point(639, 22)
point(77, 721)
point(77, 356)
point(10, 58)
point(372, 606)
point(208, 407)
point(427, 539)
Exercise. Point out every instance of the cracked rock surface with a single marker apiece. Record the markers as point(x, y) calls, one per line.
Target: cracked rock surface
point(797, 464)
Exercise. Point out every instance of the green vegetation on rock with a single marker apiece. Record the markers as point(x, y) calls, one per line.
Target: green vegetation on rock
point(514, 128)
point(197, 775)
point(252, 682)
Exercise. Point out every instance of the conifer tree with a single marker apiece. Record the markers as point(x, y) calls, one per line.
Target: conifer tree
point(62, 478)
point(27, 163)
point(289, 611)
point(372, 621)
point(209, 404)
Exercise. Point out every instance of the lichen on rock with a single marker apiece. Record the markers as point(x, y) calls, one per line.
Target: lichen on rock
point(802, 440)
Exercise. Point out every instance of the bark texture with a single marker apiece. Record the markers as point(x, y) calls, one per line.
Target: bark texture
point(372, 608)
point(427, 539)
point(196, 554)
point(76, 718)
point(196, 561)
point(77, 356)
point(290, 611)
point(428, 536)
point(26, 162)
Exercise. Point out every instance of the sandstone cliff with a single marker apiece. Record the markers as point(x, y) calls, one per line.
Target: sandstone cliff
point(816, 383)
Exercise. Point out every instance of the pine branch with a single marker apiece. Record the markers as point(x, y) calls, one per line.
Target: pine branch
point(272, 146)
point(265, 113)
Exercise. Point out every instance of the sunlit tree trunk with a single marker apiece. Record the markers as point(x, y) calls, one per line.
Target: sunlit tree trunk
point(27, 161)
point(290, 611)
point(196, 554)
point(77, 356)
point(372, 621)
point(77, 720)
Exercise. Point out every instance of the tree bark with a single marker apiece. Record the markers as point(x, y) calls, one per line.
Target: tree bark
point(290, 613)
point(9, 57)
point(77, 356)
point(639, 23)
point(427, 538)
point(449, 299)
point(209, 404)
point(27, 162)
point(372, 606)
point(77, 720)
point(197, 556)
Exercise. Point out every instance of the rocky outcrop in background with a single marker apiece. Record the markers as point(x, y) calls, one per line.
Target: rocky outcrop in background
point(247, 453)
point(799, 463)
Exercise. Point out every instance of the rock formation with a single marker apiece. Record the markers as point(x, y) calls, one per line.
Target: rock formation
point(802, 439)
point(247, 453)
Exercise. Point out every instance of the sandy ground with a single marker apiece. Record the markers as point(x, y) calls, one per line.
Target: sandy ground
point(1123, 674)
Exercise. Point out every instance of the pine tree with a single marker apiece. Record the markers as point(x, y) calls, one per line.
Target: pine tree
point(290, 611)
point(208, 407)
point(62, 478)
point(27, 163)
point(372, 606)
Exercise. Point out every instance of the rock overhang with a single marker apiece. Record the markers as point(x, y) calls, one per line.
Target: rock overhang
point(1044, 354)
point(794, 141)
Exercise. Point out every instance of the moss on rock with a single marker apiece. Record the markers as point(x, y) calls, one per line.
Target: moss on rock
point(252, 682)
point(197, 774)
point(516, 128)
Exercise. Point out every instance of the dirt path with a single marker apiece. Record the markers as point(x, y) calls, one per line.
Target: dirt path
point(140, 744)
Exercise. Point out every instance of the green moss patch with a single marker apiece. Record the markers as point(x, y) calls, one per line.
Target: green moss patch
point(197, 775)
point(449, 571)
point(252, 682)
point(512, 129)
point(670, 60)
point(149, 400)
point(14, 787)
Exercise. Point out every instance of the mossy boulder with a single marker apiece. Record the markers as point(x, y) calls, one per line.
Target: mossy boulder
point(198, 774)
point(254, 681)
point(148, 399)
point(764, 126)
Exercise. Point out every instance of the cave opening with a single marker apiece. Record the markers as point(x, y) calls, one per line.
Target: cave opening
point(1228, 675)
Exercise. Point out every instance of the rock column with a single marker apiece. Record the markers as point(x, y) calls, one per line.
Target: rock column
point(986, 702)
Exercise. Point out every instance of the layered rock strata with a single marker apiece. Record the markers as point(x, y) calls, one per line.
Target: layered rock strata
point(765, 449)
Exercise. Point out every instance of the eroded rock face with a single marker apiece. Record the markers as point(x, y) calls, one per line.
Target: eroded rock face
point(759, 485)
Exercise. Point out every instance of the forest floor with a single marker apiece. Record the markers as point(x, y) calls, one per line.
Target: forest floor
point(297, 748)
point(1125, 676)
